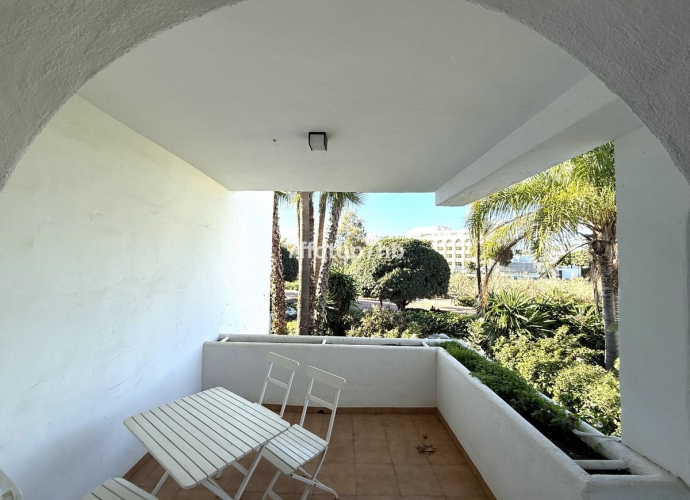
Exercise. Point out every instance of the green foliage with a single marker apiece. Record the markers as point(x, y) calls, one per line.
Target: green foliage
point(513, 389)
point(452, 324)
point(591, 392)
point(342, 296)
point(463, 288)
point(515, 314)
point(290, 265)
point(382, 322)
point(576, 258)
point(292, 328)
point(351, 238)
point(292, 285)
point(383, 273)
point(541, 360)
point(564, 370)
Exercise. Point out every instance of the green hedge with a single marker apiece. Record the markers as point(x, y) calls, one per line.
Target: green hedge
point(514, 390)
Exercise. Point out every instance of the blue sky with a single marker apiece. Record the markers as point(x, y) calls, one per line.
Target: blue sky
point(390, 214)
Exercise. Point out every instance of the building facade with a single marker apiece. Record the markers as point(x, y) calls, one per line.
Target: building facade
point(453, 244)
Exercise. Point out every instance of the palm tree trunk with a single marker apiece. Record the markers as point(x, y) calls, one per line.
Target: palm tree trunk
point(323, 199)
point(312, 277)
point(278, 309)
point(479, 275)
point(322, 289)
point(610, 308)
point(305, 274)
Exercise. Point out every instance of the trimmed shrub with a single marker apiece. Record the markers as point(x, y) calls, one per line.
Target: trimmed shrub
point(401, 270)
point(591, 392)
point(513, 389)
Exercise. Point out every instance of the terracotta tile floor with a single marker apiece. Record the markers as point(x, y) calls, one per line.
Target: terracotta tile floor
point(371, 457)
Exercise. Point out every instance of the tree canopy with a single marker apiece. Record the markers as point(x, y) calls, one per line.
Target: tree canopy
point(420, 272)
point(570, 205)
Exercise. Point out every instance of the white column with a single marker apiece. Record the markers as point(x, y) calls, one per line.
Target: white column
point(653, 207)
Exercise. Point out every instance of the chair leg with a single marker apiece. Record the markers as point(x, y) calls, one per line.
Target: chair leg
point(323, 487)
point(307, 490)
point(160, 483)
point(269, 490)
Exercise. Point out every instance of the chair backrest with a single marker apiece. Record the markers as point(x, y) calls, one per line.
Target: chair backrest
point(330, 380)
point(289, 364)
point(8, 490)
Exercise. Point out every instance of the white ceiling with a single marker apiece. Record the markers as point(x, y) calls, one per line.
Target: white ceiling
point(409, 92)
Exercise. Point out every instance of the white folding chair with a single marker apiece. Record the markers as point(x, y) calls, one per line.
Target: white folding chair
point(118, 489)
point(8, 490)
point(290, 451)
point(289, 364)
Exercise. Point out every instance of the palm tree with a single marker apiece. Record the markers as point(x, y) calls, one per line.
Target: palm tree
point(278, 309)
point(499, 240)
point(305, 219)
point(323, 205)
point(575, 200)
point(338, 202)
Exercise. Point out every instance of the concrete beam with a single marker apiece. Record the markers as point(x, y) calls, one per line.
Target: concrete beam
point(584, 117)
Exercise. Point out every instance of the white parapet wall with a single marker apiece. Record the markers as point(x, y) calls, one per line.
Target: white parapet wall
point(377, 376)
point(515, 460)
point(519, 463)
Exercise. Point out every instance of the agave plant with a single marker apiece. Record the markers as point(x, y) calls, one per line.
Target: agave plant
point(511, 312)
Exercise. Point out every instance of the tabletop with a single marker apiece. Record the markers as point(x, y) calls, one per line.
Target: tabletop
point(195, 437)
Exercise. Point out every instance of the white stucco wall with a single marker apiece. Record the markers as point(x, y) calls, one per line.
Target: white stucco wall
point(119, 260)
point(653, 206)
point(377, 376)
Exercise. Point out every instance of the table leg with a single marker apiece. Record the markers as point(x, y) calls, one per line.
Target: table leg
point(214, 488)
point(248, 476)
point(160, 483)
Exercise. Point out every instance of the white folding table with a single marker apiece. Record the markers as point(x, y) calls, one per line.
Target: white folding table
point(196, 437)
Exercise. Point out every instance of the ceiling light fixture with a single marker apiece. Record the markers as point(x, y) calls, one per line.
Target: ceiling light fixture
point(318, 141)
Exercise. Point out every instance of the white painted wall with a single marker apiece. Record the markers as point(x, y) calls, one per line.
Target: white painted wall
point(653, 206)
point(377, 376)
point(119, 260)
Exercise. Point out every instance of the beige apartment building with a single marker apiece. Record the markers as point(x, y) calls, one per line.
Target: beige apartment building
point(453, 244)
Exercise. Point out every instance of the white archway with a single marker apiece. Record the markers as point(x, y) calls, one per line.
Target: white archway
point(52, 48)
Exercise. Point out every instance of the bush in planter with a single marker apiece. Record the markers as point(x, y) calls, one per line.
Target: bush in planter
point(564, 370)
point(514, 390)
point(591, 392)
point(541, 360)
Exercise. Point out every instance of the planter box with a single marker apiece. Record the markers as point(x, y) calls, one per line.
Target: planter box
point(518, 462)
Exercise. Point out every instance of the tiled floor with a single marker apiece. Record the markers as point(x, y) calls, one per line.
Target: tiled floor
point(371, 457)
